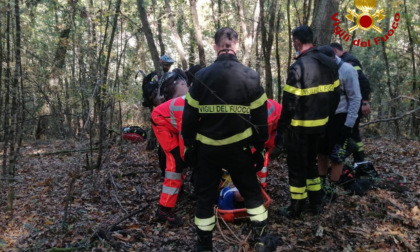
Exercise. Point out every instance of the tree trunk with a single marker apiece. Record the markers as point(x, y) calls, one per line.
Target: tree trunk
point(247, 39)
point(198, 35)
point(306, 11)
point(289, 29)
point(103, 95)
point(8, 79)
point(278, 62)
point(54, 87)
point(322, 24)
point(191, 49)
point(415, 131)
point(1, 83)
point(267, 38)
point(219, 13)
point(149, 36)
point(175, 35)
point(159, 12)
point(390, 89)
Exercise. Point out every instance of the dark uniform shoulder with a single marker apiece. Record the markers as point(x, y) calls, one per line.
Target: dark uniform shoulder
point(321, 58)
point(347, 57)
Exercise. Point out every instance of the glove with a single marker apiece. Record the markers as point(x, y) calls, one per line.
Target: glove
point(278, 140)
point(190, 156)
point(258, 158)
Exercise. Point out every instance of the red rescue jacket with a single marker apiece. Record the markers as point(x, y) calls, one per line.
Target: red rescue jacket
point(274, 112)
point(166, 124)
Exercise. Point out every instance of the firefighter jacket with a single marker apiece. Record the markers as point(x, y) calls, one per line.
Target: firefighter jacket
point(166, 124)
point(274, 111)
point(363, 80)
point(311, 93)
point(226, 105)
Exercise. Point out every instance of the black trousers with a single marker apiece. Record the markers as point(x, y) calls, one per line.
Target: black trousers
point(359, 154)
point(237, 160)
point(301, 158)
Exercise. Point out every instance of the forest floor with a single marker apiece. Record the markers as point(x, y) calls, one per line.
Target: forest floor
point(113, 209)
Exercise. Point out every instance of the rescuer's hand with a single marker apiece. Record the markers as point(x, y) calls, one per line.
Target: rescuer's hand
point(365, 108)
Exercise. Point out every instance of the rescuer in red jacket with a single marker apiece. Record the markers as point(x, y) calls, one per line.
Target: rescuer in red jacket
point(166, 124)
point(274, 112)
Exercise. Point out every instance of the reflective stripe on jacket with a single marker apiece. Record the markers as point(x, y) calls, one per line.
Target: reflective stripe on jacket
point(311, 94)
point(225, 105)
point(274, 112)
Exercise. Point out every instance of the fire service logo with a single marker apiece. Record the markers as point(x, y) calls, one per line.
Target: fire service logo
point(365, 21)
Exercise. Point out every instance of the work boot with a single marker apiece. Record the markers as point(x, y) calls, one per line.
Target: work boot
point(166, 214)
point(263, 241)
point(204, 241)
point(315, 202)
point(294, 210)
point(259, 231)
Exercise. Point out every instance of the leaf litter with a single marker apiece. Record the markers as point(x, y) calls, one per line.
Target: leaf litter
point(113, 209)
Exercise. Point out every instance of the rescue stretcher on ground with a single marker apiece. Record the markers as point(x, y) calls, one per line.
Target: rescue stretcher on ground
point(238, 213)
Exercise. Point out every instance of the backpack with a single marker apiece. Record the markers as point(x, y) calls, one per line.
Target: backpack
point(149, 88)
point(134, 134)
point(359, 179)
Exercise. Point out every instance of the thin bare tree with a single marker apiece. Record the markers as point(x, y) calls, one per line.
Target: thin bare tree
point(198, 33)
point(175, 35)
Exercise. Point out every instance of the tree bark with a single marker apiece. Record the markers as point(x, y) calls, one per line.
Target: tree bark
point(322, 24)
point(53, 104)
point(415, 131)
point(1, 82)
point(176, 37)
point(267, 37)
point(149, 36)
point(306, 11)
point(247, 39)
point(278, 62)
point(8, 78)
point(390, 89)
point(198, 35)
point(103, 95)
point(159, 12)
point(289, 29)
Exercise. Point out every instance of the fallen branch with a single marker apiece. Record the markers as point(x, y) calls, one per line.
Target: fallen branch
point(392, 118)
point(127, 216)
point(103, 233)
point(114, 193)
point(64, 152)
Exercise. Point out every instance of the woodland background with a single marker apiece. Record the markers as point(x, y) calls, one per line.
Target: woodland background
point(69, 83)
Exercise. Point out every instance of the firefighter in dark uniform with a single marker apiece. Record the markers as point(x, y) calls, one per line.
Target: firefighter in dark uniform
point(310, 97)
point(359, 153)
point(225, 115)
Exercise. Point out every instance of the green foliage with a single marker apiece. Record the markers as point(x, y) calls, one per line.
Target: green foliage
point(90, 23)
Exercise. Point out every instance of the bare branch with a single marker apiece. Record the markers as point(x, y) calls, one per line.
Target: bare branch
point(392, 118)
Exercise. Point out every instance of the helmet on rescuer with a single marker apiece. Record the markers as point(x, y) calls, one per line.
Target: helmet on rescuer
point(166, 60)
